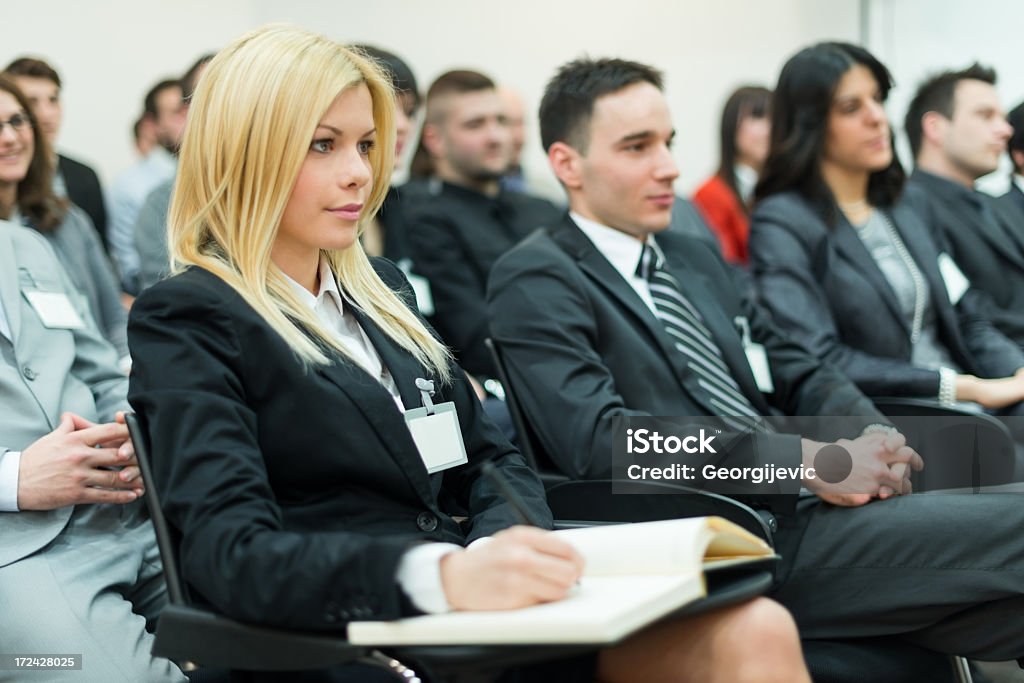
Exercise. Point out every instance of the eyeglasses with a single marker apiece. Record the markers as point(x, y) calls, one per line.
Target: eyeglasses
point(18, 123)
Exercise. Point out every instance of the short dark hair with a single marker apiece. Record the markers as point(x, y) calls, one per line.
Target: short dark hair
point(936, 94)
point(569, 97)
point(188, 81)
point(149, 103)
point(1016, 141)
point(749, 101)
point(33, 67)
point(456, 82)
point(402, 79)
point(800, 112)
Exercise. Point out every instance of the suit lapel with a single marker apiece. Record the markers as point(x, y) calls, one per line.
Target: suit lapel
point(1010, 232)
point(389, 426)
point(925, 255)
point(10, 291)
point(595, 266)
point(853, 250)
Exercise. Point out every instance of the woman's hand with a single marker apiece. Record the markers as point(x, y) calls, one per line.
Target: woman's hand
point(991, 393)
point(519, 567)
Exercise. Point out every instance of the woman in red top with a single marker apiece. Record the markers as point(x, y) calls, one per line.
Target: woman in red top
point(723, 199)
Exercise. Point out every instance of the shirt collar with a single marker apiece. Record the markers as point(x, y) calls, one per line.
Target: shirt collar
point(328, 288)
point(622, 250)
point(1018, 180)
point(746, 181)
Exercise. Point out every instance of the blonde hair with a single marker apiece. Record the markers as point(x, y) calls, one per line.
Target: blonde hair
point(251, 121)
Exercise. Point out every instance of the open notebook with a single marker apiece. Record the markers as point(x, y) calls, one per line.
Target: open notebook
point(634, 575)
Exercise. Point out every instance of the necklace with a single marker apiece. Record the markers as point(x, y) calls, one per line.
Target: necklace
point(859, 204)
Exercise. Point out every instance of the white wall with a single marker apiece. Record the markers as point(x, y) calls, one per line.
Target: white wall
point(110, 51)
point(916, 38)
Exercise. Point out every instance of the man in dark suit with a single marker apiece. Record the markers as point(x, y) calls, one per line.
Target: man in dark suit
point(958, 131)
point(464, 221)
point(600, 320)
point(41, 84)
point(1013, 201)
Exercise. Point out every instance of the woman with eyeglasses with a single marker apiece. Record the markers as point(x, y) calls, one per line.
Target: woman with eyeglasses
point(27, 197)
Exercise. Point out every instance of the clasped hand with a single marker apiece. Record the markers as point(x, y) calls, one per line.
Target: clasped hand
point(79, 462)
point(881, 468)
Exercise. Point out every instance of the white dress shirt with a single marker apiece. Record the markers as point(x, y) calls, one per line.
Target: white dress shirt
point(419, 570)
point(623, 251)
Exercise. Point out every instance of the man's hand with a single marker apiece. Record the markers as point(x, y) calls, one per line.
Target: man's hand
point(519, 567)
point(881, 467)
point(69, 466)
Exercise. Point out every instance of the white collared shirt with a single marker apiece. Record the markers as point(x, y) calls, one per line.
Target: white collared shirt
point(623, 251)
point(1018, 180)
point(329, 307)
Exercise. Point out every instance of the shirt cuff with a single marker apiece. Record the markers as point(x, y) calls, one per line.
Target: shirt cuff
point(419, 575)
point(9, 464)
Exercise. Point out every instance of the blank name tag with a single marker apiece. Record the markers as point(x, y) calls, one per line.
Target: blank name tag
point(758, 359)
point(438, 437)
point(55, 310)
point(424, 299)
point(956, 282)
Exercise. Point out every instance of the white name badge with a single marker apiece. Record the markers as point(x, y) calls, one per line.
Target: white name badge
point(55, 310)
point(437, 436)
point(424, 299)
point(757, 357)
point(954, 279)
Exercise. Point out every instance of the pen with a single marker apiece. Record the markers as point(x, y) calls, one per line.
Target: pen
point(515, 502)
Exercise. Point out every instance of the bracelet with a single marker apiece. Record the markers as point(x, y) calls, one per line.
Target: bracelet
point(879, 428)
point(947, 386)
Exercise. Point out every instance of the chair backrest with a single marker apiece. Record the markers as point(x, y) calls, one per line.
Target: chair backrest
point(164, 540)
point(962, 449)
point(529, 443)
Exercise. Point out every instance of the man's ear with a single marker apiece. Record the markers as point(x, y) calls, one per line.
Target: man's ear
point(933, 127)
point(566, 163)
point(433, 140)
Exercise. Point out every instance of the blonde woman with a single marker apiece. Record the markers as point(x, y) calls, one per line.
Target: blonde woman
point(273, 369)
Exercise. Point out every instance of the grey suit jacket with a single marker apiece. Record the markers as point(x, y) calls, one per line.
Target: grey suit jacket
point(45, 372)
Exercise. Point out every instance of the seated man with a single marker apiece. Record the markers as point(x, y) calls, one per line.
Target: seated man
point(599, 320)
point(958, 130)
point(78, 562)
point(465, 221)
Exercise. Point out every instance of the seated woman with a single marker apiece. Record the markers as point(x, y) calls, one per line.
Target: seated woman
point(844, 267)
point(273, 369)
point(27, 197)
point(743, 146)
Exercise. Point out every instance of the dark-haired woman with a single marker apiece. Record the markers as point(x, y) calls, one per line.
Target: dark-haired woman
point(723, 199)
point(844, 267)
point(27, 197)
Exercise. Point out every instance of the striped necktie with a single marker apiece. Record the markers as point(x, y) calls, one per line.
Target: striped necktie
point(693, 339)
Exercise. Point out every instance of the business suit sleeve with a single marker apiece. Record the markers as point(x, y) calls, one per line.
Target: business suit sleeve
point(151, 236)
point(487, 510)
point(111, 315)
point(460, 311)
point(783, 257)
point(189, 385)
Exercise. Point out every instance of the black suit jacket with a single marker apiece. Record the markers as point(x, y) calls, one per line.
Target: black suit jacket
point(582, 348)
point(295, 491)
point(456, 235)
point(824, 289)
point(85, 191)
point(991, 253)
point(1012, 204)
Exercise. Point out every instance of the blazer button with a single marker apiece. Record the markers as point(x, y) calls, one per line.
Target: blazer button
point(426, 521)
point(29, 373)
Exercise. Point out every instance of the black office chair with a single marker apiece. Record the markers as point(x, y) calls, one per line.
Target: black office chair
point(196, 637)
point(880, 660)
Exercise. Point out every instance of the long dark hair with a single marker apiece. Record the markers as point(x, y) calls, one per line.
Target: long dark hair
point(36, 199)
point(800, 110)
point(750, 101)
